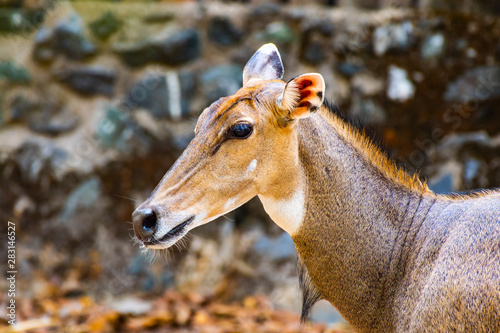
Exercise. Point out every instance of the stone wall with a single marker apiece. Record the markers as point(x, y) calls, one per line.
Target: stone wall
point(98, 99)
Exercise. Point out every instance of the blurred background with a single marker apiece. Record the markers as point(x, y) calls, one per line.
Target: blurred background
point(98, 98)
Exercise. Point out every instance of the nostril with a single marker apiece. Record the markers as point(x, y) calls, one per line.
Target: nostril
point(149, 222)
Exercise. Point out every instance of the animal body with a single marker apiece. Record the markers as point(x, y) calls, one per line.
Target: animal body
point(388, 253)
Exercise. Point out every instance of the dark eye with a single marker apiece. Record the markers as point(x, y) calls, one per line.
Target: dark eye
point(241, 130)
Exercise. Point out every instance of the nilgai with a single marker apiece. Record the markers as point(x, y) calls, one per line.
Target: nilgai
point(387, 252)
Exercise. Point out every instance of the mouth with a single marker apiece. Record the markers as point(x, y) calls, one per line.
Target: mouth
point(174, 234)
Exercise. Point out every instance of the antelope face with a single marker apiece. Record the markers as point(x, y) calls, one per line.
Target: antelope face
point(243, 147)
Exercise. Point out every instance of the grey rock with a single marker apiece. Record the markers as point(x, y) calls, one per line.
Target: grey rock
point(269, 9)
point(50, 124)
point(84, 196)
point(323, 27)
point(42, 115)
point(164, 95)
point(70, 39)
point(49, 117)
point(471, 53)
point(367, 83)
point(400, 88)
point(277, 32)
point(452, 144)
point(20, 21)
point(117, 130)
point(312, 52)
point(89, 80)
point(223, 32)
point(262, 15)
point(279, 248)
point(480, 173)
point(367, 111)
point(461, 44)
point(221, 81)
point(349, 69)
point(471, 160)
point(36, 160)
point(472, 167)
point(137, 54)
point(312, 49)
point(433, 23)
point(14, 73)
point(433, 46)
point(181, 47)
point(393, 37)
point(20, 108)
point(105, 26)
point(44, 49)
point(111, 126)
point(442, 184)
point(477, 84)
point(177, 49)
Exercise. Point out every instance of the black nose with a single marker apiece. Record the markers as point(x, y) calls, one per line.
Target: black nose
point(145, 223)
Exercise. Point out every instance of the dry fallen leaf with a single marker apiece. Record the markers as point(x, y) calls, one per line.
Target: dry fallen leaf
point(172, 312)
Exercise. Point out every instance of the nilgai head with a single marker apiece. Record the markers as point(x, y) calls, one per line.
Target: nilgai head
point(244, 145)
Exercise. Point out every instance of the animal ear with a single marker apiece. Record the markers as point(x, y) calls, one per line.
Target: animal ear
point(302, 95)
point(265, 64)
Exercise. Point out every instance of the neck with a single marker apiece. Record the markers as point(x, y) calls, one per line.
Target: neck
point(357, 206)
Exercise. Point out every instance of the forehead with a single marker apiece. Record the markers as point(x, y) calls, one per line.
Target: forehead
point(225, 105)
point(243, 102)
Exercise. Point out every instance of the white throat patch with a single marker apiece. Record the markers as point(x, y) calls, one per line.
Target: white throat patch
point(287, 213)
point(251, 167)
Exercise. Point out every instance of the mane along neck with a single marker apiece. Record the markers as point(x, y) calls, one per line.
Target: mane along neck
point(371, 153)
point(375, 157)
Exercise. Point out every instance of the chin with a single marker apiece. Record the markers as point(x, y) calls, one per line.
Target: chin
point(160, 246)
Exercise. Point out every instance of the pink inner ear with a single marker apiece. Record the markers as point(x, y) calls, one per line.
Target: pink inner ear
point(310, 89)
point(303, 95)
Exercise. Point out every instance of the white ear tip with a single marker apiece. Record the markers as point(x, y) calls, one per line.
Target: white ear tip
point(268, 48)
point(265, 64)
point(322, 82)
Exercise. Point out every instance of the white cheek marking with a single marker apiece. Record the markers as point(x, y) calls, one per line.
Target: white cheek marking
point(229, 203)
point(174, 94)
point(288, 213)
point(251, 167)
